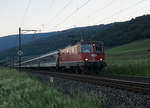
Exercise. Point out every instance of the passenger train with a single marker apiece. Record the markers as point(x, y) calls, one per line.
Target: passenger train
point(83, 55)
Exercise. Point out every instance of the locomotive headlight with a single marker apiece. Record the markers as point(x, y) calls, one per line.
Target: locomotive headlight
point(100, 59)
point(86, 59)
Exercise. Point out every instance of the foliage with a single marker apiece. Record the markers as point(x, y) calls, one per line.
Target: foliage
point(17, 90)
point(129, 70)
point(126, 32)
point(129, 59)
point(136, 47)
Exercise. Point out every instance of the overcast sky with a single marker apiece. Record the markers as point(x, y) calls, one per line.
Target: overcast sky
point(54, 15)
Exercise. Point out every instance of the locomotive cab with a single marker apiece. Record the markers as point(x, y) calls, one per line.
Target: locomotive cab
point(92, 54)
point(92, 51)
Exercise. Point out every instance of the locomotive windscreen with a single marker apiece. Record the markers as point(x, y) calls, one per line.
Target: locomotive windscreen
point(86, 48)
point(98, 48)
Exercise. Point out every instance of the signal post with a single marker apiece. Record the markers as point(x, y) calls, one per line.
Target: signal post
point(20, 52)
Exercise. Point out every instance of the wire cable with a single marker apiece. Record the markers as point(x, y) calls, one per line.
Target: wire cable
point(25, 13)
point(103, 8)
point(122, 10)
point(75, 11)
point(51, 3)
point(106, 6)
point(136, 10)
point(59, 12)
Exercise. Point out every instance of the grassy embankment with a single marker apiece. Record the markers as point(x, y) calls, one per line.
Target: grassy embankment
point(130, 59)
point(17, 90)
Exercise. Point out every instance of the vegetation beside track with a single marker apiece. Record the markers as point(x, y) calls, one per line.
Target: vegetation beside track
point(130, 59)
point(17, 90)
point(129, 70)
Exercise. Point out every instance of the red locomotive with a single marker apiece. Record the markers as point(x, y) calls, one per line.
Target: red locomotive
point(84, 55)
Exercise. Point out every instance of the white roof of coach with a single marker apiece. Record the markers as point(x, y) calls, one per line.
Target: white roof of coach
point(45, 55)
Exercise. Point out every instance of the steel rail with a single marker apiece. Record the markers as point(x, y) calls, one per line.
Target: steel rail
point(134, 86)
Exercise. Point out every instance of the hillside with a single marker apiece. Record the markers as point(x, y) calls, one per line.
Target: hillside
point(126, 32)
point(112, 35)
point(137, 46)
point(137, 52)
point(130, 59)
point(11, 41)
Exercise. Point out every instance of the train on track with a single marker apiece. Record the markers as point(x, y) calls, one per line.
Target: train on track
point(87, 56)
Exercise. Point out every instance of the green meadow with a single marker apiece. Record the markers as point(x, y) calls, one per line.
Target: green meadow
point(18, 90)
point(130, 59)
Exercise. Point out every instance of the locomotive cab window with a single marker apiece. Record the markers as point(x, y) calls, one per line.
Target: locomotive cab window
point(86, 48)
point(98, 48)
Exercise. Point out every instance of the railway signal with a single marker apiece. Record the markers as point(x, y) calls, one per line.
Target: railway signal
point(19, 52)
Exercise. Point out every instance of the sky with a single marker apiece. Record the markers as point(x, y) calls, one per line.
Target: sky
point(56, 15)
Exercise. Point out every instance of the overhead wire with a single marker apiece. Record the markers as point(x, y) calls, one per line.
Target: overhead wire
point(51, 5)
point(137, 3)
point(122, 10)
point(60, 11)
point(84, 4)
point(25, 12)
point(137, 10)
point(75, 11)
point(104, 7)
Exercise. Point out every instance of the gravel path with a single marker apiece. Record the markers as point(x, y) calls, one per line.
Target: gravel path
point(111, 97)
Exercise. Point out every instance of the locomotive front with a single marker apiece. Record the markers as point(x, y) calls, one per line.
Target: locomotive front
point(92, 54)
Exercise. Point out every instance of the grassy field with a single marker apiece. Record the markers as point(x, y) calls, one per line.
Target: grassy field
point(141, 45)
point(130, 59)
point(17, 90)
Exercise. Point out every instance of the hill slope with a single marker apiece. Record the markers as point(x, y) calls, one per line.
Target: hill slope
point(12, 40)
point(131, 59)
point(114, 34)
point(137, 46)
point(137, 52)
point(126, 32)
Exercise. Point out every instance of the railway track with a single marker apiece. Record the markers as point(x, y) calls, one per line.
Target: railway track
point(134, 86)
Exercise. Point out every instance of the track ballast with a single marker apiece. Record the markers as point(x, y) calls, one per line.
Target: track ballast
point(134, 86)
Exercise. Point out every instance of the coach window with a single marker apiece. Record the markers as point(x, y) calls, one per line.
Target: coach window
point(67, 51)
point(62, 53)
point(72, 50)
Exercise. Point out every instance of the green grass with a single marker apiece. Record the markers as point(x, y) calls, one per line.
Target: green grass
point(129, 70)
point(130, 59)
point(17, 90)
point(137, 46)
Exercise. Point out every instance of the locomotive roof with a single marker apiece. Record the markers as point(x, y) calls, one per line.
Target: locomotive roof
point(90, 42)
point(84, 42)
